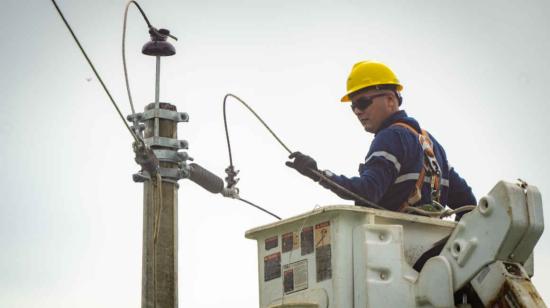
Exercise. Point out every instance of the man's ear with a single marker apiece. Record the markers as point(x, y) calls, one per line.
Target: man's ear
point(393, 103)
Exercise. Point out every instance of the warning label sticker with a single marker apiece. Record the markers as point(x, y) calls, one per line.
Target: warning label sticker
point(272, 266)
point(323, 262)
point(323, 256)
point(271, 242)
point(295, 276)
point(306, 239)
point(322, 234)
point(290, 241)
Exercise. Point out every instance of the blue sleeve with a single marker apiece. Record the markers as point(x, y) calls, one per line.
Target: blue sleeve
point(459, 192)
point(380, 170)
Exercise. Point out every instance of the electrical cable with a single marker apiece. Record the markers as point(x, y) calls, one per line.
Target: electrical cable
point(126, 78)
point(258, 207)
point(157, 208)
point(440, 214)
point(124, 48)
point(142, 13)
point(257, 117)
point(124, 44)
point(320, 174)
point(458, 210)
point(136, 138)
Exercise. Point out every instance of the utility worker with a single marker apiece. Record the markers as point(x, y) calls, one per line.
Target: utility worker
point(405, 167)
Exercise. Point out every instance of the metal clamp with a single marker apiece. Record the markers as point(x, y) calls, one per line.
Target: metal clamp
point(159, 113)
point(141, 177)
point(160, 149)
point(232, 192)
point(174, 173)
point(146, 157)
point(134, 117)
point(231, 179)
point(139, 129)
point(171, 155)
point(168, 174)
point(144, 176)
point(167, 142)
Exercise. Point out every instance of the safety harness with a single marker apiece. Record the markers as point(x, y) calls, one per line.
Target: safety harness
point(430, 168)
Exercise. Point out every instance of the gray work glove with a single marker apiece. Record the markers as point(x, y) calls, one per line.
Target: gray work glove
point(303, 164)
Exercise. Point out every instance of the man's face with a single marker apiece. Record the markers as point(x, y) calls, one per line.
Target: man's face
point(379, 106)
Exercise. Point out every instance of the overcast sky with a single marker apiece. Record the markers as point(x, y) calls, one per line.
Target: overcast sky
point(475, 75)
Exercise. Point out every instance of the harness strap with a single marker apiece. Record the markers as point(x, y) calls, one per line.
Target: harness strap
point(430, 164)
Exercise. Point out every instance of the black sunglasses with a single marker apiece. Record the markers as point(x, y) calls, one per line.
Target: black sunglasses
point(363, 103)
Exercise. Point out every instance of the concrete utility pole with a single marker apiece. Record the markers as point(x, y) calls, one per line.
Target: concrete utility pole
point(160, 255)
point(162, 166)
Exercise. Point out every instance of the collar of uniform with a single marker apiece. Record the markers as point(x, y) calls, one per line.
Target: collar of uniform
point(399, 116)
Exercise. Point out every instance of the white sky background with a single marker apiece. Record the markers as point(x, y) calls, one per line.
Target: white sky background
point(475, 76)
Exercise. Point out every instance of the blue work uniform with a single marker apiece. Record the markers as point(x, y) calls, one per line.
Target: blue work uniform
point(392, 167)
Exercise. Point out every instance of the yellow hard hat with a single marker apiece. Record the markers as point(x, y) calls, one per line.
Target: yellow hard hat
point(368, 74)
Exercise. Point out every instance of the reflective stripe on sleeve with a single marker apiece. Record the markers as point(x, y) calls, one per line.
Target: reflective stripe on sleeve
point(414, 176)
point(387, 156)
point(407, 177)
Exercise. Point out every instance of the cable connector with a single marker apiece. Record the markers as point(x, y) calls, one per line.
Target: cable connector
point(160, 34)
point(232, 193)
point(138, 128)
point(231, 179)
point(146, 158)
